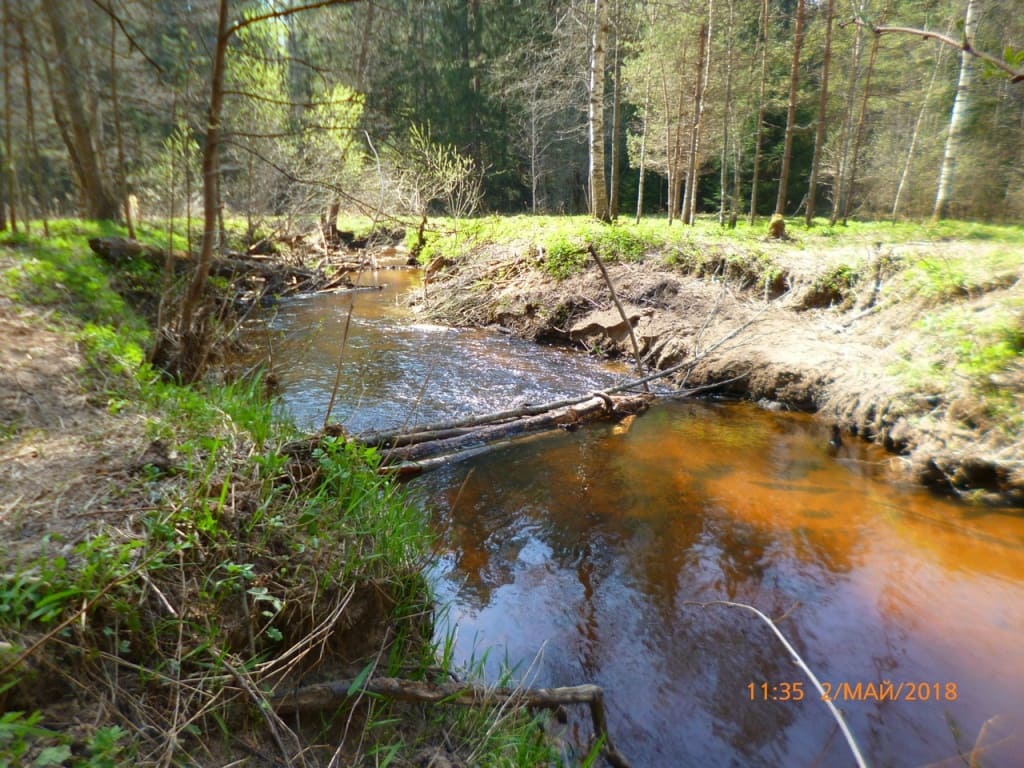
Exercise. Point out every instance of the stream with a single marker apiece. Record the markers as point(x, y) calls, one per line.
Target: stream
point(594, 556)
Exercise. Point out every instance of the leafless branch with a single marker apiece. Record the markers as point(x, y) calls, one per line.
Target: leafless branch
point(965, 45)
point(107, 9)
point(798, 660)
point(286, 102)
point(282, 14)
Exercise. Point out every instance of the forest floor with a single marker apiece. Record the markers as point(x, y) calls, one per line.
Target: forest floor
point(914, 344)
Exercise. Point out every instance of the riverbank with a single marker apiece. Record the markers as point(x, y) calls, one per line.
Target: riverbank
point(171, 564)
point(911, 337)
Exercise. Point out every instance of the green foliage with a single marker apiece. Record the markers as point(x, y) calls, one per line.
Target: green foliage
point(564, 256)
point(944, 277)
point(425, 172)
point(21, 738)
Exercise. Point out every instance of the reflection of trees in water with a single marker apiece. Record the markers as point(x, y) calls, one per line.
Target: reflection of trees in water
point(660, 547)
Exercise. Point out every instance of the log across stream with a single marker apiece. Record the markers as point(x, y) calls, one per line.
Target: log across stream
point(594, 555)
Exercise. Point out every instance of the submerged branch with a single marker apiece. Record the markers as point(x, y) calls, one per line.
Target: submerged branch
point(798, 660)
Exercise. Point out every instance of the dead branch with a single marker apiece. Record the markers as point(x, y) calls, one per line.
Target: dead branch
point(622, 312)
point(570, 416)
point(325, 696)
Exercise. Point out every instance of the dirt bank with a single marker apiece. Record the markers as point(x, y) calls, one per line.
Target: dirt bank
point(901, 344)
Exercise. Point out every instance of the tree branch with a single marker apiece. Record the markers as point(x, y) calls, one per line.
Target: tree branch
point(1016, 75)
point(107, 9)
point(321, 696)
point(281, 14)
point(286, 102)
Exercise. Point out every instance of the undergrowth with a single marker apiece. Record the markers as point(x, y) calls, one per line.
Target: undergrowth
point(249, 559)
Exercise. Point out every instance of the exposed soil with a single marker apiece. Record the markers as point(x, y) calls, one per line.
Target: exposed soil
point(795, 338)
point(70, 464)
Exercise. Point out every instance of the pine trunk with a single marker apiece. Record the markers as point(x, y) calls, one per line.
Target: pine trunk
point(760, 112)
point(689, 203)
point(794, 82)
point(858, 138)
point(819, 128)
point(615, 182)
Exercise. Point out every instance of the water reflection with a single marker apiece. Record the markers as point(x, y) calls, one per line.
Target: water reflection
point(596, 549)
point(590, 552)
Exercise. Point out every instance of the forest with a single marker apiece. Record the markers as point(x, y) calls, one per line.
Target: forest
point(872, 109)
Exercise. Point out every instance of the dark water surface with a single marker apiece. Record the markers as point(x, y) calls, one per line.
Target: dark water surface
point(585, 557)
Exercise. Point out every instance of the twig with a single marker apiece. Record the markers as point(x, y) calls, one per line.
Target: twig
point(803, 666)
point(337, 372)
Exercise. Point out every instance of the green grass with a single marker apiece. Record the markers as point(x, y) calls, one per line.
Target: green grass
point(560, 238)
point(236, 555)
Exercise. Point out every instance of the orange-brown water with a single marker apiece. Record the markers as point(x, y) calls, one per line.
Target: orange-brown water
point(593, 550)
point(584, 557)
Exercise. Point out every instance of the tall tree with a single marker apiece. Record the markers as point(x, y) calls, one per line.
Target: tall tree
point(822, 119)
point(190, 363)
point(858, 138)
point(700, 84)
point(595, 115)
point(761, 105)
point(846, 130)
point(794, 83)
point(957, 118)
point(83, 146)
point(10, 177)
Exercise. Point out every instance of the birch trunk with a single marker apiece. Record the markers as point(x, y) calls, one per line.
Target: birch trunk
point(595, 118)
point(643, 151)
point(957, 119)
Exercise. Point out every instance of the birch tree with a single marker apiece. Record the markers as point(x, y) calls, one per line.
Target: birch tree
point(957, 118)
point(595, 115)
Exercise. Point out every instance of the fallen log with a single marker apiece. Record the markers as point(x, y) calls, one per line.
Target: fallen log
point(325, 696)
point(596, 407)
